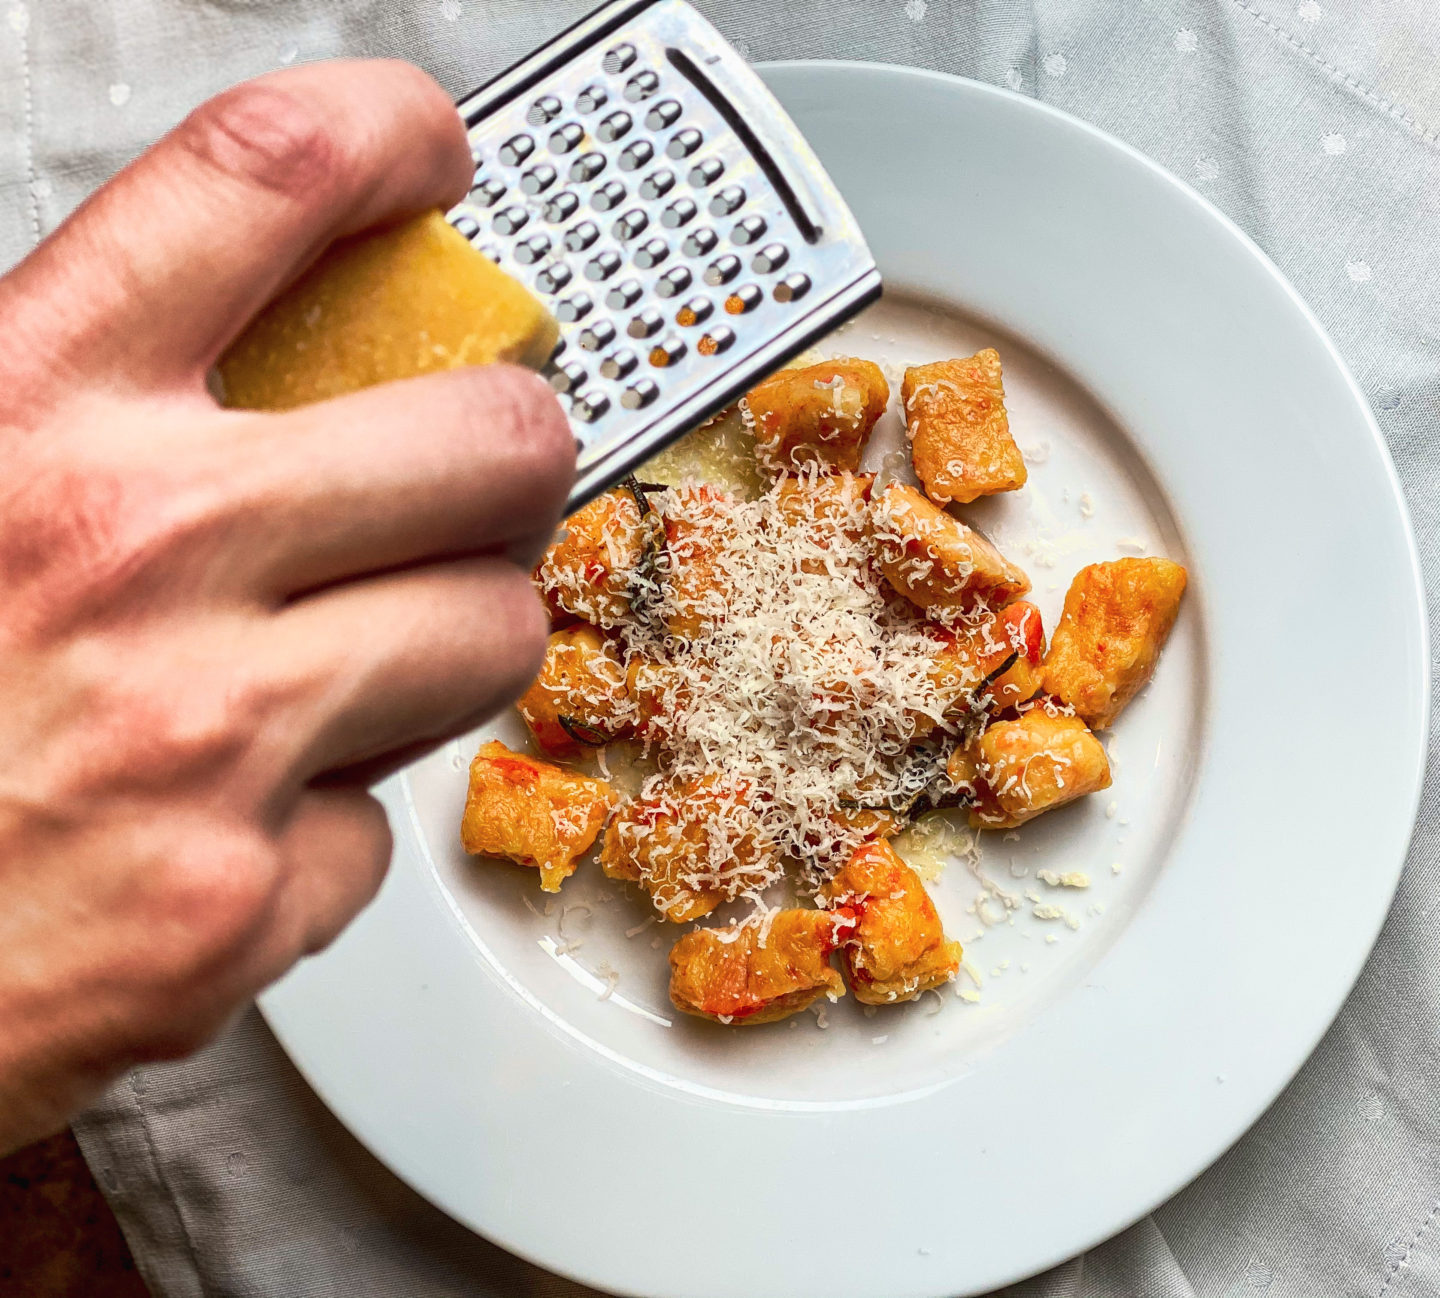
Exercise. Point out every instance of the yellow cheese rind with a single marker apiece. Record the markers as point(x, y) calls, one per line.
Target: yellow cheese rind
point(388, 304)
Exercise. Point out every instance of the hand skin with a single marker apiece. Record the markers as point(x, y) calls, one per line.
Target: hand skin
point(218, 628)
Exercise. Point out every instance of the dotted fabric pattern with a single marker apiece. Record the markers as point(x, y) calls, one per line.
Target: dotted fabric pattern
point(1313, 124)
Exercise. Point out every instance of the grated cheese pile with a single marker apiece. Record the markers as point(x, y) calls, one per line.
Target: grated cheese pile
point(785, 717)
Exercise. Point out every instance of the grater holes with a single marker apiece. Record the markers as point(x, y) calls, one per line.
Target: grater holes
point(618, 364)
point(579, 237)
point(632, 223)
point(516, 149)
point(467, 226)
point(706, 172)
point(715, 340)
point(695, 311)
point(553, 278)
point(665, 113)
point(673, 282)
point(646, 241)
point(770, 258)
point(745, 298)
point(489, 250)
point(749, 230)
point(566, 378)
point(489, 192)
point(591, 98)
point(566, 138)
point(792, 287)
point(684, 143)
point(722, 270)
point(532, 249)
point(645, 324)
point(511, 219)
point(610, 195)
point(543, 111)
point(657, 184)
point(624, 294)
point(575, 307)
point(587, 166)
point(651, 253)
point(680, 212)
point(727, 200)
point(602, 265)
point(700, 241)
point(611, 128)
point(640, 393)
point(641, 86)
point(560, 207)
point(538, 179)
point(618, 58)
point(600, 333)
point(636, 154)
point(589, 406)
point(668, 351)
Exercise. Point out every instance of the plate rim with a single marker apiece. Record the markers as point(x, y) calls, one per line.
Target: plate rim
point(271, 1002)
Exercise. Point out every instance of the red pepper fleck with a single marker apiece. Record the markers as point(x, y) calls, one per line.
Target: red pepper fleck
point(514, 769)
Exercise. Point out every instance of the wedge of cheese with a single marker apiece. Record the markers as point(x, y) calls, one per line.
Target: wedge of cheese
point(386, 304)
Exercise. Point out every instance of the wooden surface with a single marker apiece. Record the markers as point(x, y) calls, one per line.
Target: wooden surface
point(58, 1237)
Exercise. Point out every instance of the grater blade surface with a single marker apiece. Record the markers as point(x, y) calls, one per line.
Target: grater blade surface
point(639, 178)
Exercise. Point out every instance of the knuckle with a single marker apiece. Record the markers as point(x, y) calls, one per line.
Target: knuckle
point(196, 734)
point(60, 530)
point(188, 728)
point(267, 137)
point(211, 898)
point(164, 537)
point(74, 540)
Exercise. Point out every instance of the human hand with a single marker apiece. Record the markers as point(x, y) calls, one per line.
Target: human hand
point(218, 628)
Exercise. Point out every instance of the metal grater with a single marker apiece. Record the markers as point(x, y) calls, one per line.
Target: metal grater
point(637, 175)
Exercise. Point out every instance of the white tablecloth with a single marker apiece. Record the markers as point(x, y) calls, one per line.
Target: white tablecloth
point(1313, 123)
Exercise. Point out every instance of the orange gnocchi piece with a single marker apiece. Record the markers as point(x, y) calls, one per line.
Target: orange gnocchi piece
point(898, 948)
point(959, 431)
point(579, 701)
point(820, 414)
point(993, 665)
point(937, 562)
point(696, 588)
point(1117, 618)
point(589, 570)
point(760, 971)
point(690, 846)
point(532, 813)
point(1019, 769)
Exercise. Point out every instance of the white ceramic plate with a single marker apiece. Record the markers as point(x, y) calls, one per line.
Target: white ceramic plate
point(1172, 393)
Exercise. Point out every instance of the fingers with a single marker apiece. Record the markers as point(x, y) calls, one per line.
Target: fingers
point(163, 266)
point(370, 772)
point(446, 465)
point(335, 848)
point(408, 658)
